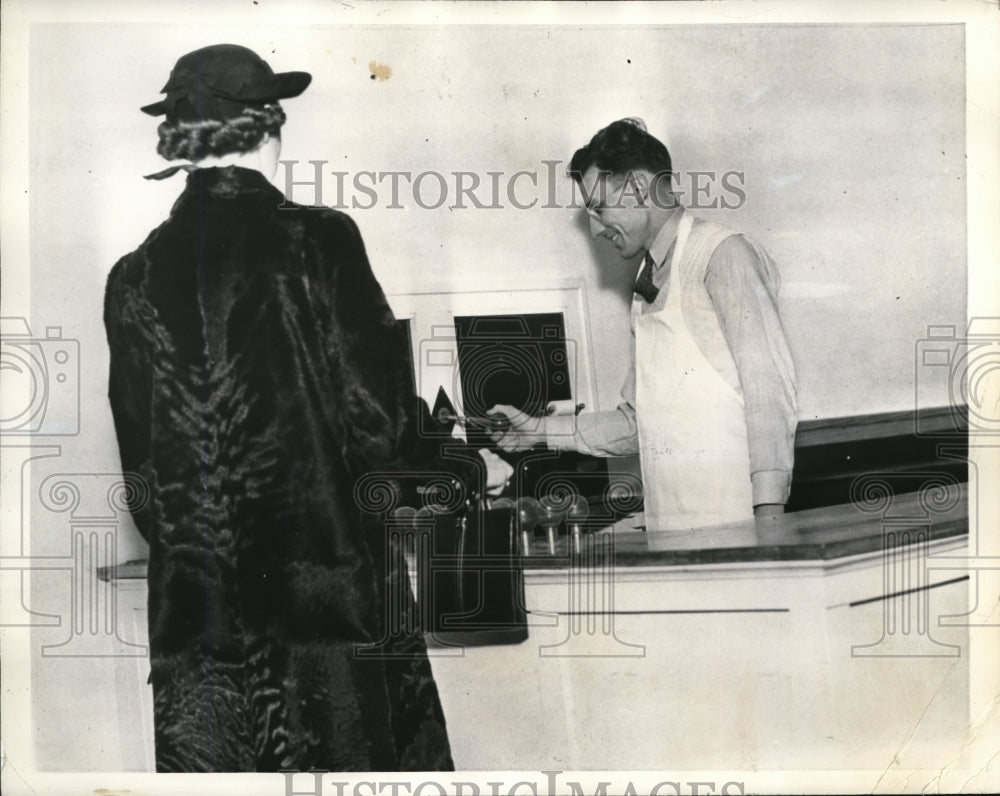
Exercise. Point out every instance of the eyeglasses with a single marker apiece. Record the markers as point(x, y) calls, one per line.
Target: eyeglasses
point(597, 209)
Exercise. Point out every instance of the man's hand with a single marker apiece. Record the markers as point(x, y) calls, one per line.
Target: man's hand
point(525, 431)
point(498, 472)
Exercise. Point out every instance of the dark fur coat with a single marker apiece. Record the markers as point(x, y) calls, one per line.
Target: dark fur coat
point(256, 374)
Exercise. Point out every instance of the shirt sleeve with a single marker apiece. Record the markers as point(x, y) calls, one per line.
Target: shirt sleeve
point(743, 284)
point(611, 433)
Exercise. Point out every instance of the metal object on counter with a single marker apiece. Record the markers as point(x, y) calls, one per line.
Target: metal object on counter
point(527, 515)
point(578, 512)
point(494, 422)
point(404, 515)
point(552, 513)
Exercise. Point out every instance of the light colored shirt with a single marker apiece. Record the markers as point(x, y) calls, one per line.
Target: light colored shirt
point(752, 356)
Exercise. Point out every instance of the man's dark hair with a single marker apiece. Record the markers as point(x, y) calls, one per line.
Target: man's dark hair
point(619, 148)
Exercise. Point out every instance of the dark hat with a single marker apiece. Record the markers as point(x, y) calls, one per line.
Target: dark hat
point(219, 81)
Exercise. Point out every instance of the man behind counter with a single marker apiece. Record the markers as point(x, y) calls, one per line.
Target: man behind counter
point(709, 401)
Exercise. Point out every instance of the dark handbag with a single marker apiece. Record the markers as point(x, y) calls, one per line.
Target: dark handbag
point(470, 584)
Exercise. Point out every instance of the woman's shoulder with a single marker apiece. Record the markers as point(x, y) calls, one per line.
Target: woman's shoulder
point(130, 268)
point(328, 226)
point(320, 216)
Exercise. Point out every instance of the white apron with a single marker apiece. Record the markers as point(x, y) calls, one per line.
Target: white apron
point(692, 428)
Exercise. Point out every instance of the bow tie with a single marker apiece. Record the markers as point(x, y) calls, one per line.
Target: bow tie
point(644, 283)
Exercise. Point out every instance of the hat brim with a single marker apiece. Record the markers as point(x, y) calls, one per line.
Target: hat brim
point(282, 86)
point(155, 109)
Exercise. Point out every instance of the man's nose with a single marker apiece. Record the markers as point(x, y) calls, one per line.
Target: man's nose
point(596, 227)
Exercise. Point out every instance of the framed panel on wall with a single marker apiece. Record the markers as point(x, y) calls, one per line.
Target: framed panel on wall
point(525, 346)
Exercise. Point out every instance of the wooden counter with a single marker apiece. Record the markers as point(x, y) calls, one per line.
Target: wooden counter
point(823, 534)
point(830, 638)
point(818, 534)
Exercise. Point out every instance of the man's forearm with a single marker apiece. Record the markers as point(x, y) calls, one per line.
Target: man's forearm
point(612, 433)
point(743, 285)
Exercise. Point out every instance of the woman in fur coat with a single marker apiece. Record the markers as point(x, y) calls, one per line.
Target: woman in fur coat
point(257, 373)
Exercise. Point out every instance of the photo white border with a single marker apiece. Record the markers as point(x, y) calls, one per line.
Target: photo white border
point(982, 20)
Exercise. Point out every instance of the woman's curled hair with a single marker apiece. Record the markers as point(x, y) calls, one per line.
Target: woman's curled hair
point(203, 138)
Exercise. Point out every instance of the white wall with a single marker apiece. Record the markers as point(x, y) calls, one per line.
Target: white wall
point(851, 140)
